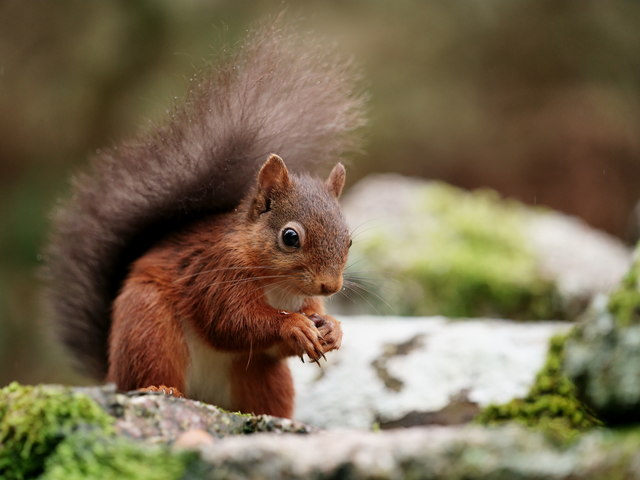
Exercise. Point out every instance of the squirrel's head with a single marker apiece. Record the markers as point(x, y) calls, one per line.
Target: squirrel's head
point(298, 233)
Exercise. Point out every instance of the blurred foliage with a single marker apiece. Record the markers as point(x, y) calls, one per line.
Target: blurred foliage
point(536, 98)
point(551, 405)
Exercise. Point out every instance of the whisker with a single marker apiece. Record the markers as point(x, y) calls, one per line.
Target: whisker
point(361, 290)
point(361, 278)
point(221, 269)
point(251, 279)
point(358, 275)
point(351, 265)
point(274, 284)
point(250, 353)
point(362, 283)
point(366, 278)
point(370, 291)
point(363, 297)
point(355, 233)
point(346, 292)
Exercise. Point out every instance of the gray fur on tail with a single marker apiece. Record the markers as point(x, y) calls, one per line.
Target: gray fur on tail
point(280, 93)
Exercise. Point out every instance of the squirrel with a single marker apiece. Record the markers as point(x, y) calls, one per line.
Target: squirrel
point(192, 259)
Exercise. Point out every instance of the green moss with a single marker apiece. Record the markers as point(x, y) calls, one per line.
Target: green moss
point(91, 454)
point(551, 404)
point(624, 303)
point(34, 420)
point(461, 254)
point(55, 433)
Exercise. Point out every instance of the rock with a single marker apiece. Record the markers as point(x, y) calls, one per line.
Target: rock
point(428, 248)
point(420, 370)
point(432, 452)
point(60, 433)
point(63, 433)
point(552, 404)
point(603, 353)
point(162, 418)
point(582, 261)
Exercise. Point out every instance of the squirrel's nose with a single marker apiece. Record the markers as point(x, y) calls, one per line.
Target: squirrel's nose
point(330, 286)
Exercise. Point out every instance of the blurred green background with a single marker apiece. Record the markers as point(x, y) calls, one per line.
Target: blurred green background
point(538, 99)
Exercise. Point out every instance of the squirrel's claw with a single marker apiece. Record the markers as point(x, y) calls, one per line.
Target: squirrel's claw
point(171, 391)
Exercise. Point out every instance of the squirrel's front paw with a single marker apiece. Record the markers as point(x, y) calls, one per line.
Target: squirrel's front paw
point(301, 336)
point(330, 331)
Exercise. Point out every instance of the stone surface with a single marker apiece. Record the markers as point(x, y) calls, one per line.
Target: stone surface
point(159, 418)
point(143, 449)
point(392, 368)
point(582, 261)
point(427, 248)
point(429, 453)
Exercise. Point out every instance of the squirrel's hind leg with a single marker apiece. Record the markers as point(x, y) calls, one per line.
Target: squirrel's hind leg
point(261, 384)
point(147, 349)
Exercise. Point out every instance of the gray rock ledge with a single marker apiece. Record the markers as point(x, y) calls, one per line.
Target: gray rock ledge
point(430, 453)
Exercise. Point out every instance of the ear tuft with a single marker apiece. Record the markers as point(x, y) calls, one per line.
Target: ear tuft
point(335, 181)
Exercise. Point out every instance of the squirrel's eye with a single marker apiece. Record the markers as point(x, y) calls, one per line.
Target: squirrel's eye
point(290, 238)
point(350, 243)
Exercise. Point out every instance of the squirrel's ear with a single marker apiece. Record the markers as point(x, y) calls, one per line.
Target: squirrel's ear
point(335, 181)
point(273, 176)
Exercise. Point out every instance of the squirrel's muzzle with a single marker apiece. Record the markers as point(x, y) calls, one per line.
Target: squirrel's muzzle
point(329, 286)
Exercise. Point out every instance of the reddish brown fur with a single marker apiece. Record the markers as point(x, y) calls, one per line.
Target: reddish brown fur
point(211, 278)
point(262, 384)
point(146, 344)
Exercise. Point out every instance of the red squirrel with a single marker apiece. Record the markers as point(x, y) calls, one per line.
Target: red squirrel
point(192, 259)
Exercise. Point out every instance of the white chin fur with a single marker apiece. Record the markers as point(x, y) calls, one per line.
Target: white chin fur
point(282, 299)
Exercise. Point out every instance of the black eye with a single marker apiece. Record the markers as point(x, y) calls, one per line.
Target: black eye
point(290, 238)
point(350, 243)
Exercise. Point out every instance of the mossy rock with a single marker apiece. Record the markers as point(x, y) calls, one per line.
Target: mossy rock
point(603, 354)
point(453, 253)
point(56, 433)
point(53, 432)
point(428, 248)
point(624, 302)
point(35, 420)
point(90, 454)
point(592, 375)
point(552, 404)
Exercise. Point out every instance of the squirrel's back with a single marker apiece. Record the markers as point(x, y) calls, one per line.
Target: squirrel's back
point(279, 93)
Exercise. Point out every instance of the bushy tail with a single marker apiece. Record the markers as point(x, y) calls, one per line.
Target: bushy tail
point(281, 93)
